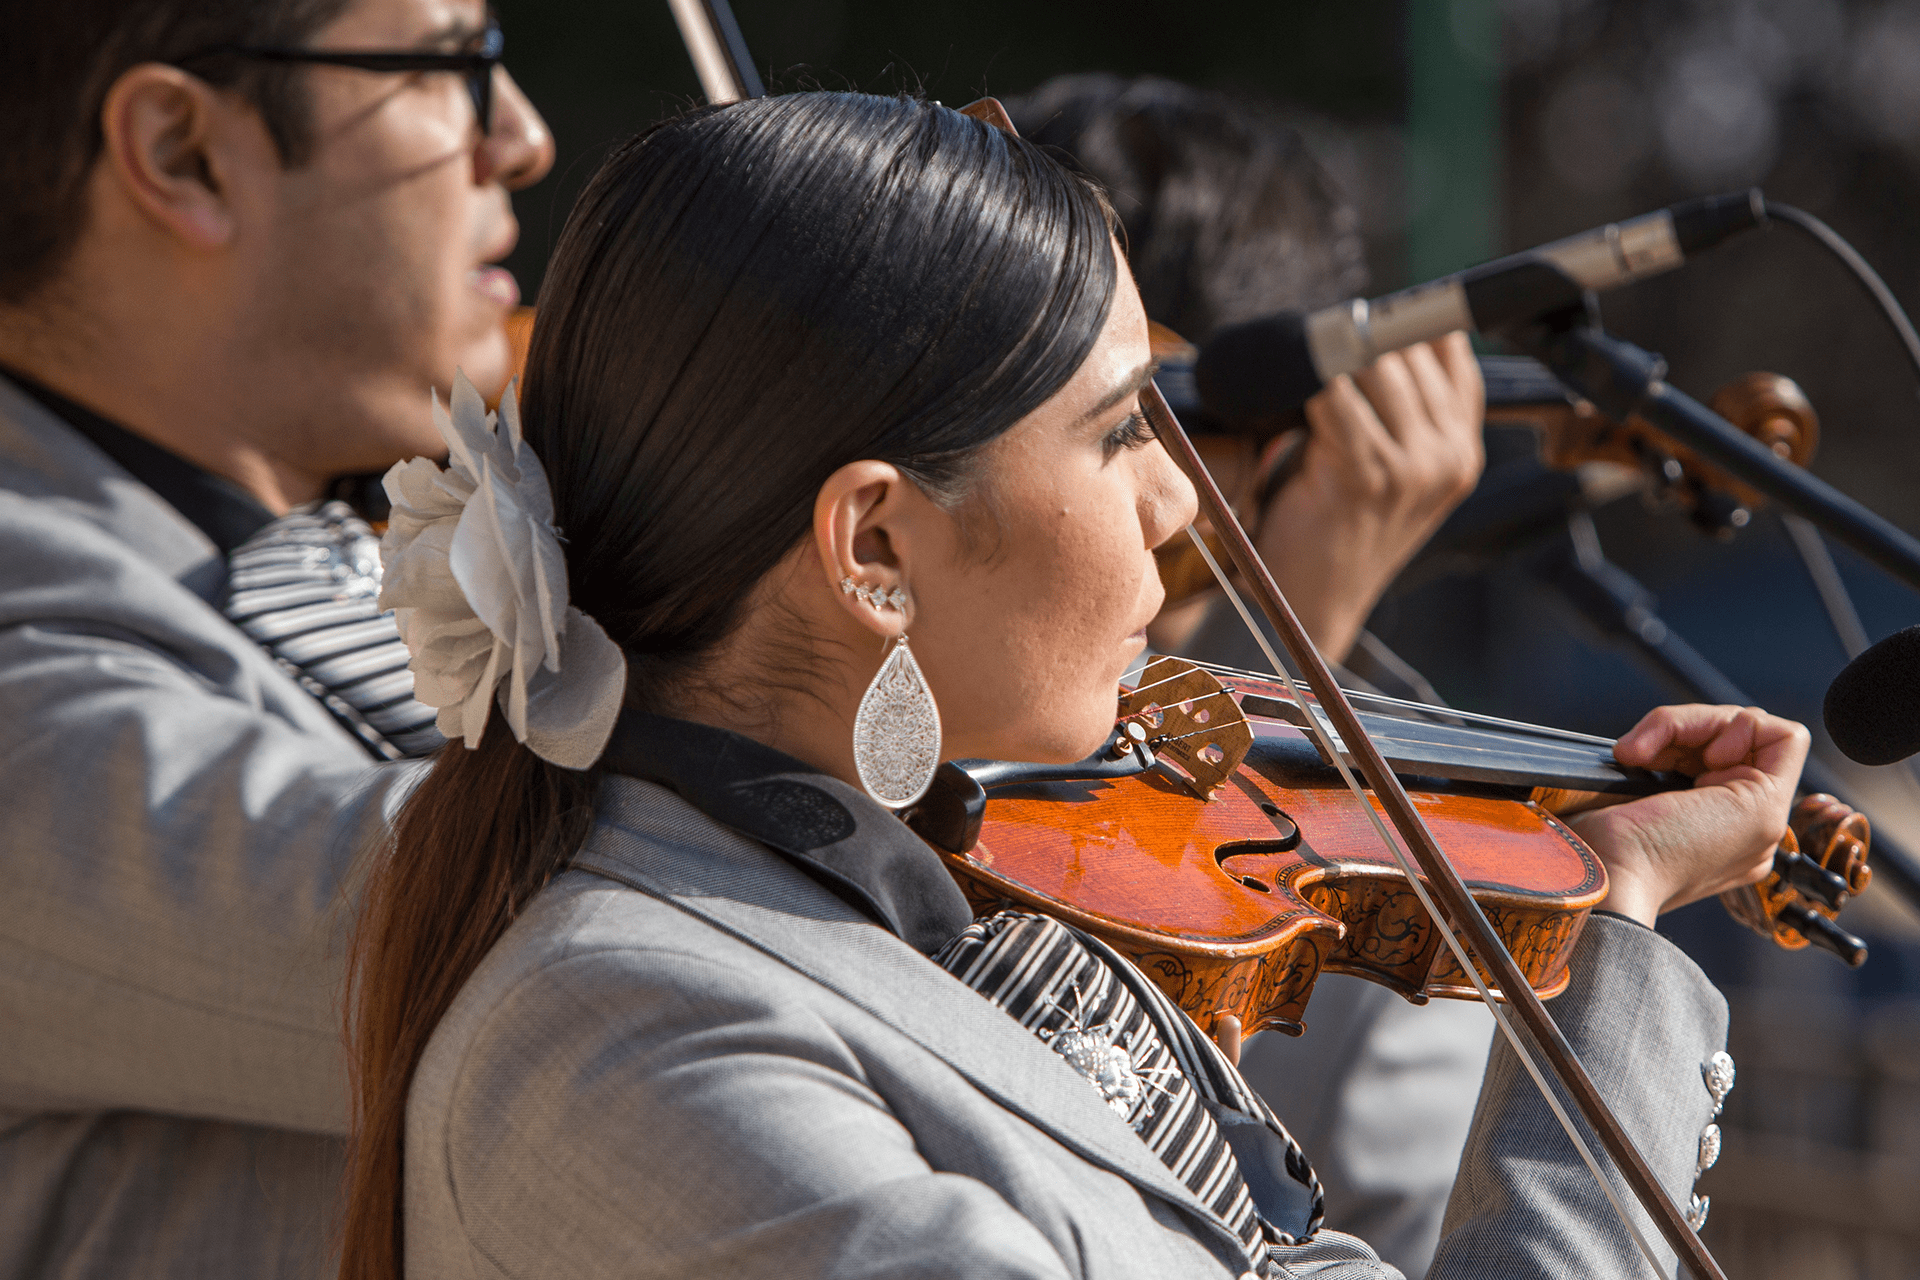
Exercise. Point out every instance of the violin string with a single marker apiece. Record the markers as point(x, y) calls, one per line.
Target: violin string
point(1401, 856)
point(1142, 688)
point(1184, 702)
point(1403, 704)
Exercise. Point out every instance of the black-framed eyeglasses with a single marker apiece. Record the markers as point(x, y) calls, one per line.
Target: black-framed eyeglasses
point(476, 65)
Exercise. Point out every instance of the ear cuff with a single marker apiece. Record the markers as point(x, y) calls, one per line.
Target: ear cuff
point(879, 597)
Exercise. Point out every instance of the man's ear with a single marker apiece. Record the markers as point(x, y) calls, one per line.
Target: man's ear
point(166, 147)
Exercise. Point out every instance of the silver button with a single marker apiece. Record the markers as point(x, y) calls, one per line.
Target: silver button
point(1709, 1149)
point(1717, 1072)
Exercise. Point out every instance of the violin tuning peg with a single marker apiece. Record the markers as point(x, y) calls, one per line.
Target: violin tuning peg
point(1824, 933)
point(1718, 514)
point(1808, 876)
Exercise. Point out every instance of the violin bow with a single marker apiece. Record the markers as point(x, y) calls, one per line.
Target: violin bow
point(718, 50)
point(1460, 909)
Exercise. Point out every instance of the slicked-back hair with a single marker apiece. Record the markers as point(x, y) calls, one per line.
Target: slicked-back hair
point(744, 300)
point(1228, 214)
point(58, 59)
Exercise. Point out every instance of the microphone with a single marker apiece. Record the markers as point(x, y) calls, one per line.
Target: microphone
point(1277, 363)
point(1872, 709)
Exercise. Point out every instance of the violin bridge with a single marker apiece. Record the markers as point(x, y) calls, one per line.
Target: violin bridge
point(1190, 720)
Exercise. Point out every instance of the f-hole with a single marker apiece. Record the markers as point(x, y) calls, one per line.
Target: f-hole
point(1250, 861)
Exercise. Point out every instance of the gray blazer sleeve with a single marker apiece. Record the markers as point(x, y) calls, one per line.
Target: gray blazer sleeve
point(1644, 1020)
point(176, 850)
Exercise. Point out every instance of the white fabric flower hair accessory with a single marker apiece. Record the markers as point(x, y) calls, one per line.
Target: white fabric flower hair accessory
point(478, 588)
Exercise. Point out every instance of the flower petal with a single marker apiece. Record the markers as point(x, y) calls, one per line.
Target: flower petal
point(570, 713)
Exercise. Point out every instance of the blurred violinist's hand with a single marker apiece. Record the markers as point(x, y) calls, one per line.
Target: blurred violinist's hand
point(1393, 449)
point(1667, 850)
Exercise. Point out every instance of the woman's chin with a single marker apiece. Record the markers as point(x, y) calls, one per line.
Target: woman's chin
point(1050, 748)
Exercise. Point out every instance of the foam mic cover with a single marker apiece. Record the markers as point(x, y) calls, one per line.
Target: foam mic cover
point(1256, 369)
point(1872, 709)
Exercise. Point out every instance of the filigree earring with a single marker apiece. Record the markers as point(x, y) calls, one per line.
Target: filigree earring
point(896, 732)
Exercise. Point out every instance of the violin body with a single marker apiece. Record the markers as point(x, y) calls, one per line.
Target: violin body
point(1236, 904)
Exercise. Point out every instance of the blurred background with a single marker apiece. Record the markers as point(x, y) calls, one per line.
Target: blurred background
point(1465, 128)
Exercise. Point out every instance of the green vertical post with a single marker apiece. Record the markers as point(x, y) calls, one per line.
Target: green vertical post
point(1453, 135)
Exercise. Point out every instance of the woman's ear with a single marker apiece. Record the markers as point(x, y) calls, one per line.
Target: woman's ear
point(856, 519)
point(163, 131)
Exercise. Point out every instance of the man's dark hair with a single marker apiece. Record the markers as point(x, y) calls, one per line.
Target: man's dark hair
point(58, 59)
point(1228, 215)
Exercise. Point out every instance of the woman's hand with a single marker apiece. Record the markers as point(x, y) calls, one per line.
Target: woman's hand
point(1393, 450)
point(1667, 850)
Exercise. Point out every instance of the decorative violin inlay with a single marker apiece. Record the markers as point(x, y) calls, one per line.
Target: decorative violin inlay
point(1709, 1149)
point(1717, 1072)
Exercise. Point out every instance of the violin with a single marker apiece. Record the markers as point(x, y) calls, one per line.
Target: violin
point(1213, 845)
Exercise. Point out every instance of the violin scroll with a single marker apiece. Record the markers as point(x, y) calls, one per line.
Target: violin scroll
point(1767, 406)
point(1819, 866)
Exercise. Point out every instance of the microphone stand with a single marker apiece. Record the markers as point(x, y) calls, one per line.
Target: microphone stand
point(1622, 379)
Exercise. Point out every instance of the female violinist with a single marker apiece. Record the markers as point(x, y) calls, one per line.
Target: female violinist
point(833, 468)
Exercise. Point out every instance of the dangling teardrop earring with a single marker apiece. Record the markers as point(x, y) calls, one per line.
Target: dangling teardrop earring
point(896, 732)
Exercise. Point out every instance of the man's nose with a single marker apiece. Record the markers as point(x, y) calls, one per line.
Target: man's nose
point(519, 150)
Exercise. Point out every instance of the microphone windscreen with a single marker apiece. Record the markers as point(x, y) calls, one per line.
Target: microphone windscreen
point(1257, 369)
point(1872, 708)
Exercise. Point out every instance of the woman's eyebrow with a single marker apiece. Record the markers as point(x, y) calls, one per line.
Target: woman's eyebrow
point(1130, 386)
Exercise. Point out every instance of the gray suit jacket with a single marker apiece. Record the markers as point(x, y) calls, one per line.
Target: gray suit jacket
point(688, 1058)
point(178, 822)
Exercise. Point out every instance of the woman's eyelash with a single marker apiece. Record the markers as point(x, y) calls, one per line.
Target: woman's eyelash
point(1132, 432)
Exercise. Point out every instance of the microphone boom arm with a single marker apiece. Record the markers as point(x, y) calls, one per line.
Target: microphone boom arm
point(1623, 379)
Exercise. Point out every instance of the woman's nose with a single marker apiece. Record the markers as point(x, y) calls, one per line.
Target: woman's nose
point(1168, 500)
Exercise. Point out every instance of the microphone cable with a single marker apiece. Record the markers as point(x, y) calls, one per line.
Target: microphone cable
point(1832, 241)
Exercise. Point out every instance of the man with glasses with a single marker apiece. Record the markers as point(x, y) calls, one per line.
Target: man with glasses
point(239, 240)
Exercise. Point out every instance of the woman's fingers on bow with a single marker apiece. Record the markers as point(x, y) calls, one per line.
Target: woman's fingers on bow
point(1347, 427)
point(1462, 367)
point(1389, 386)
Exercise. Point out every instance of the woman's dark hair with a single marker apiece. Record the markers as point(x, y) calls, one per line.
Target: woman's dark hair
point(745, 299)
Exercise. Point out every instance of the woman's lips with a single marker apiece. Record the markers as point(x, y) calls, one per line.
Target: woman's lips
point(496, 283)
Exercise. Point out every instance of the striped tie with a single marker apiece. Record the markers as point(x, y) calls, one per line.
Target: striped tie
point(305, 588)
